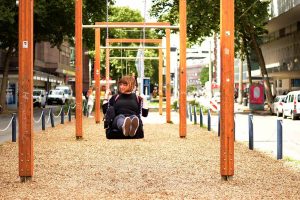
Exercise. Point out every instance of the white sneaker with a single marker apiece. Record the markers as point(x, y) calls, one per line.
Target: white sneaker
point(126, 126)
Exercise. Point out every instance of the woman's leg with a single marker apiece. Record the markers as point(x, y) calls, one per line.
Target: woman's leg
point(90, 109)
point(119, 121)
point(123, 123)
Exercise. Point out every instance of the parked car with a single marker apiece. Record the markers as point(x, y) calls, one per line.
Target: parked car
point(291, 106)
point(39, 98)
point(67, 91)
point(277, 106)
point(56, 97)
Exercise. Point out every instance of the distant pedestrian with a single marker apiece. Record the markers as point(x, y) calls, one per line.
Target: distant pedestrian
point(91, 99)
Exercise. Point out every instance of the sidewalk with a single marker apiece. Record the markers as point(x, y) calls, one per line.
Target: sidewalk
point(160, 166)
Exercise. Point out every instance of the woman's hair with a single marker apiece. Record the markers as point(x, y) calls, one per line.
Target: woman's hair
point(129, 80)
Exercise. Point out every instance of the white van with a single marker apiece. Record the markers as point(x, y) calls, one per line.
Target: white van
point(39, 98)
point(56, 97)
point(291, 106)
point(68, 92)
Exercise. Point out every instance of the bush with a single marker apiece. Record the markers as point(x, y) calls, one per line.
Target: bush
point(175, 105)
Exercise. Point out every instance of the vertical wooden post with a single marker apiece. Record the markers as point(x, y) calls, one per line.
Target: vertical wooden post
point(227, 91)
point(26, 43)
point(78, 65)
point(160, 80)
point(97, 75)
point(182, 72)
point(168, 78)
point(107, 65)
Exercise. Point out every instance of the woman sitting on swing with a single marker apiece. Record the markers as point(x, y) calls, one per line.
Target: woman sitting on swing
point(127, 108)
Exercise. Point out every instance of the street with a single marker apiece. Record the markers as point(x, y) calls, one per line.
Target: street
point(265, 133)
point(5, 119)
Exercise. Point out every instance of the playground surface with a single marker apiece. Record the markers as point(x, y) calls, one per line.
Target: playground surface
point(160, 166)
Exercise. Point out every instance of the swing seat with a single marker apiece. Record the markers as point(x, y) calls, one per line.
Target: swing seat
point(117, 134)
point(114, 133)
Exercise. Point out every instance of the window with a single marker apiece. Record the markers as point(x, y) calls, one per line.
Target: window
point(291, 98)
point(282, 32)
point(295, 82)
point(279, 83)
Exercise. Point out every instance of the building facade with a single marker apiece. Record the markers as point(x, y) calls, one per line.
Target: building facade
point(281, 48)
point(52, 67)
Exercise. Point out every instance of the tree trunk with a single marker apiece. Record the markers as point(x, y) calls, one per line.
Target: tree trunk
point(215, 56)
point(248, 60)
point(5, 79)
point(263, 69)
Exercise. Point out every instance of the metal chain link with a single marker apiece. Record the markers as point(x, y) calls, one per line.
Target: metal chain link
point(56, 116)
point(2, 130)
point(68, 111)
point(38, 121)
point(48, 117)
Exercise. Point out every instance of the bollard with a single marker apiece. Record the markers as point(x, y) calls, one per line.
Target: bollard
point(43, 120)
point(250, 117)
point(190, 112)
point(279, 139)
point(201, 117)
point(51, 117)
point(62, 115)
point(208, 120)
point(219, 128)
point(195, 115)
point(14, 128)
point(70, 113)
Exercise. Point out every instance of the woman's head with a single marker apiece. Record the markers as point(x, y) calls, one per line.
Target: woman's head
point(126, 84)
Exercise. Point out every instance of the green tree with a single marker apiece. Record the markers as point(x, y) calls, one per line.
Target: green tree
point(118, 66)
point(204, 75)
point(53, 22)
point(203, 18)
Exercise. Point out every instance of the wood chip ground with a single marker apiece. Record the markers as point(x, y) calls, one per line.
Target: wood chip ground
point(160, 166)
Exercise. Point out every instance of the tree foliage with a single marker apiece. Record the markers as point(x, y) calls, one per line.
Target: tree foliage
point(203, 18)
point(204, 75)
point(50, 24)
point(119, 67)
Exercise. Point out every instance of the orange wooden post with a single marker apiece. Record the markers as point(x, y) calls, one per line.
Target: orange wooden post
point(160, 81)
point(26, 43)
point(107, 65)
point(97, 75)
point(227, 91)
point(168, 78)
point(127, 40)
point(135, 23)
point(78, 65)
point(182, 77)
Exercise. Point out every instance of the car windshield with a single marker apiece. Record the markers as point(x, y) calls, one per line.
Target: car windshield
point(56, 92)
point(36, 93)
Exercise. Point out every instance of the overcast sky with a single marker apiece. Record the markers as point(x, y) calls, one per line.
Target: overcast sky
point(137, 4)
